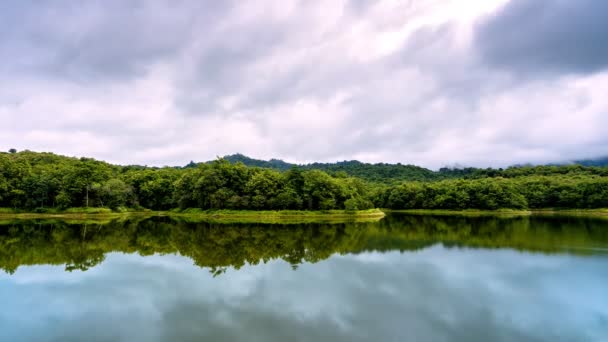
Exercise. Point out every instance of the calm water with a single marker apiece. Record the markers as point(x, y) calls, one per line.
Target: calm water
point(405, 278)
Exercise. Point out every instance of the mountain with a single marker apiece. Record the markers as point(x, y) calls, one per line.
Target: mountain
point(593, 162)
point(379, 173)
point(394, 173)
point(276, 164)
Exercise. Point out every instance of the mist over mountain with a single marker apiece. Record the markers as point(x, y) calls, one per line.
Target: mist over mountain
point(283, 165)
point(593, 162)
point(388, 173)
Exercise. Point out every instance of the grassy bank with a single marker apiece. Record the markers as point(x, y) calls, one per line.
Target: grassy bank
point(507, 212)
point(54, 211)
point(261, 216)
point(277, 216)
point(280, 213)
point(200, 215)
point(82, 215)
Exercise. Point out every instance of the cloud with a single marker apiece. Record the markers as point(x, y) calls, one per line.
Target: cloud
point(554, 37)
point(97, 40)
point(164, 82)
point(434, 295)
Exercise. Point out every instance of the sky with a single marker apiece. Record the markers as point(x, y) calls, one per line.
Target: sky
point(427, 82)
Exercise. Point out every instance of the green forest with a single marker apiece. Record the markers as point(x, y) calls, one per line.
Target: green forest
point(38, 182)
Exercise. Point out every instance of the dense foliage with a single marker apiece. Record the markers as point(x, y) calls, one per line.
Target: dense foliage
point(377, 173)
point(593, 162)
point(36, 181)
point(31, 180)
point(391, 174)
point(555, 191)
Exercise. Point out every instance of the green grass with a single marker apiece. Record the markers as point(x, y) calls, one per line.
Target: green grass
point(603, 212)
point(507, 212)
point(58, 211)
point(261, 216)
point(298, 213)
point(90, 215)
point(88, 211)
point(275, 216)
point(197, 215)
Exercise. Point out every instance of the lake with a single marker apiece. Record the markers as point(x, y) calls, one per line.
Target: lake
point(403, 278)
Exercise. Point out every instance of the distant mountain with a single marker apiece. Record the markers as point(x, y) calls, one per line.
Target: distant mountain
point(380, 172)
point(593, 162)
point(270, 164)
point(395, 173)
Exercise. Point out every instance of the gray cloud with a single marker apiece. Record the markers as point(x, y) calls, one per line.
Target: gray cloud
point(559, 36)
point(97, 40)
point(167, 82)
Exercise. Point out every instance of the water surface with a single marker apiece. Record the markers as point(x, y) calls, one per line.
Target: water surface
point(405, 278)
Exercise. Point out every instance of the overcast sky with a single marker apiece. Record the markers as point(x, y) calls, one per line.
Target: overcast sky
point(433, 83)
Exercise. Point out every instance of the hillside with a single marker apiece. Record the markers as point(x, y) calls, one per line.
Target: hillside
point(378, 173)
point(394, 173)
point(593, 162)
point(276, 164)
point(39, 181)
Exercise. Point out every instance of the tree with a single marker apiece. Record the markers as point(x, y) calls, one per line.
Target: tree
point(263, 188)
point(115, 193)
point(357, 203)
point(319, 190)
point(63, 200)
point(31, 180)
point(12, 151)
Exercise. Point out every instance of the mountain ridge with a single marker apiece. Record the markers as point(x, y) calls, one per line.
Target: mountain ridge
point(388, 173)
point(283, 165)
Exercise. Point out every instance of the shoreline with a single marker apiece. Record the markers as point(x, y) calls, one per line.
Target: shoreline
point(506, 212)
point(262, 216)
point(193, 214)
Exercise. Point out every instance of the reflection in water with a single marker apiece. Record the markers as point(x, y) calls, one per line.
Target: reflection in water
point(218, 246)
point(354, 282)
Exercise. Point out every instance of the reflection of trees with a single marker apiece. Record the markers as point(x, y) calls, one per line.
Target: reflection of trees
point(83, 258)
point(84, 262)
point(540, 234)
point(219, 246)
point(214, 246)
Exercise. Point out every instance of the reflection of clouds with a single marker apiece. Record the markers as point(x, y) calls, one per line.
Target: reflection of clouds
point(42, 274)
point(434, 295)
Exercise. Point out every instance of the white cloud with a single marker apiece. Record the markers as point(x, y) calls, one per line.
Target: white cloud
point(304, 81)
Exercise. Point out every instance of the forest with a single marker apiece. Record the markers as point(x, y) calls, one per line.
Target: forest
point(33, 181)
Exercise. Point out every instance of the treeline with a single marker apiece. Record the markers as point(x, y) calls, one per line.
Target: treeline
point(579, 191)
point(38, 181)
point(30, 180)
point(382, 173)
point(391, 174)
